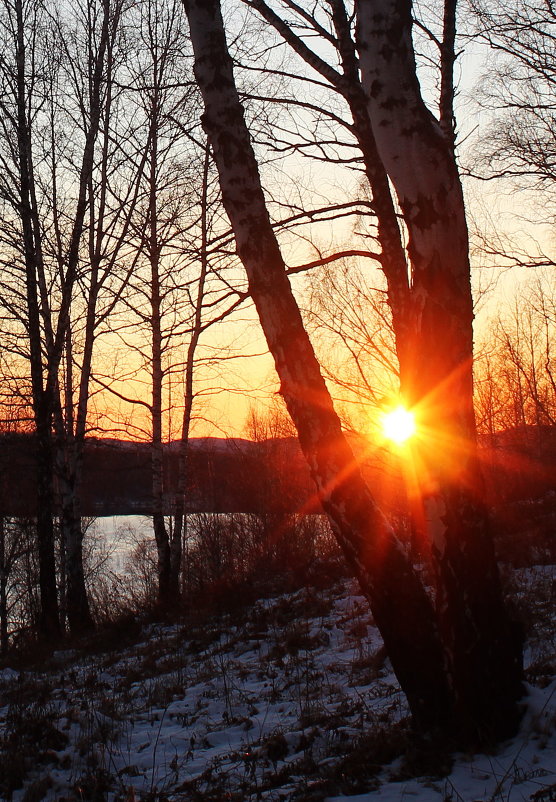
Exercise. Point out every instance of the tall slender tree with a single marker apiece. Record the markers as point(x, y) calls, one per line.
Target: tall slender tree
point(481, 645)
point(465, 675)
point(102, 221)
point(400, 605)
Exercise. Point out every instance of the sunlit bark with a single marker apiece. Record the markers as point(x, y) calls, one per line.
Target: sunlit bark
point(347, 83)
point(400, 605)
point(482, 650)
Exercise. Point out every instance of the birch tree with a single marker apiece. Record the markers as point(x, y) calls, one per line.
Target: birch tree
point(332, 22)
point(518, 141)
point(162, 91)
point(99, 276)
point(481, 645)
point(57, 74)
point(168, 290)
point(401, 607)
point(459, 666)
point(515, 144)
point(24, 90)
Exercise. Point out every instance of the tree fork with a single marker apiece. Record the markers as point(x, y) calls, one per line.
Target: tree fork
point(398, 601)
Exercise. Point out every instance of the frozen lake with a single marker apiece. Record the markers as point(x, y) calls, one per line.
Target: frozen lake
point(121, 534)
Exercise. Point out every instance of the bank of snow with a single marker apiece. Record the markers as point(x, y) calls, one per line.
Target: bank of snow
point(291, 699)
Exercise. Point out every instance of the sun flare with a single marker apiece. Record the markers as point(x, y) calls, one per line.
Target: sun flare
point(398, 424)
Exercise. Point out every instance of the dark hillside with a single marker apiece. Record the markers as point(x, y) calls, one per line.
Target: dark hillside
point(243, 476)
point(225, 476)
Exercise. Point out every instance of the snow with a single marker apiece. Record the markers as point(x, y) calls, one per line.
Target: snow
point(7, 674)
point(291, 699)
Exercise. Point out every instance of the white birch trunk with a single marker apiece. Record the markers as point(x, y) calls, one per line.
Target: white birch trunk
point(399, 603)
point(419, 160)
point(481, 647)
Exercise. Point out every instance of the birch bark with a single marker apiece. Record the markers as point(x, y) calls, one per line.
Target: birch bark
point(483, 652)
point(398, 601)
point(42, 402)
point(347, 83)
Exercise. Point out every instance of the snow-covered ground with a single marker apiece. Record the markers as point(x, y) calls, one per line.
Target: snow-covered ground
point(289, 699)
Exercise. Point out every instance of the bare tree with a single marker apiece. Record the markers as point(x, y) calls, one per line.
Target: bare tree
point(24, 93)
point(58, 74)
point(167, 307)
point(439, 380)
point(358, 524)
point(164, 215)
point(17, 579)
point(104, 229)
point(515, 370)
point(514, 145)
point(518, 142)
point(474, 645)
point(351, 326)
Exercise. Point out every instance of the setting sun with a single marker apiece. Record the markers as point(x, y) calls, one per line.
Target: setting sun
point(398, 424)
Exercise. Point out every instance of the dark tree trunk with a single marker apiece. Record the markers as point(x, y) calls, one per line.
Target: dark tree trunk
point(157, 465)
point(4, 572)
point(166, 587)
point(72, 427)
point(42, 407)
point(76, 602)
point(180, 521)
point(49, 616)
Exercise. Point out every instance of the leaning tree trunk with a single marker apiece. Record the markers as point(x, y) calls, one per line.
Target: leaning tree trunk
point(400, 606)
point(483, 653)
